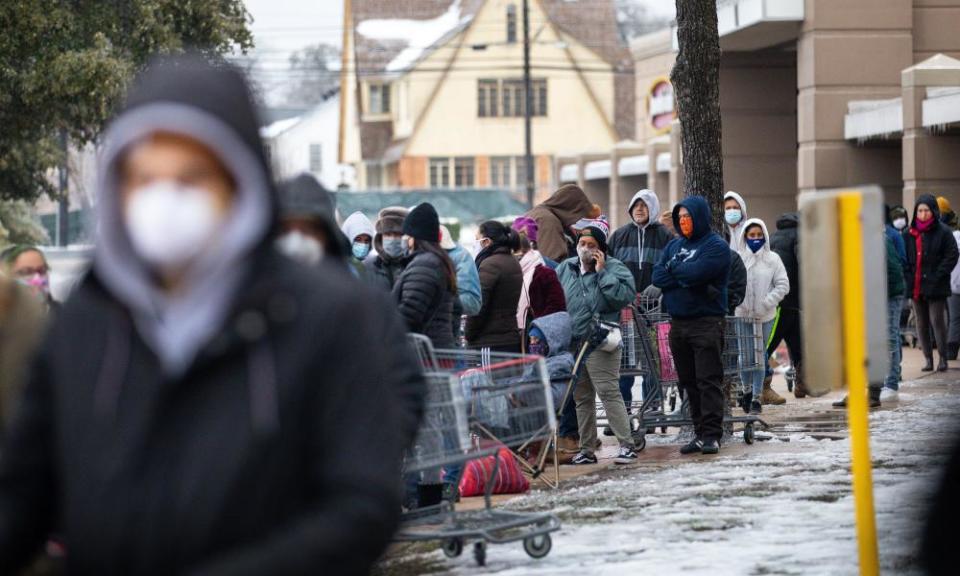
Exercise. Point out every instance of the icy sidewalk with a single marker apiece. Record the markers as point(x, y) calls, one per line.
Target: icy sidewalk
point(784, 507)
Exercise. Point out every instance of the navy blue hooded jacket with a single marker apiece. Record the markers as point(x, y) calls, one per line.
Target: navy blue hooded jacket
point(693, 272)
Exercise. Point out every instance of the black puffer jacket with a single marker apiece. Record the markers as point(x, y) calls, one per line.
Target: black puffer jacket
point(736, 283)
point(785, 242)
point(423, 296)
point(501, 280)
point(938, 258)
point(237, 462)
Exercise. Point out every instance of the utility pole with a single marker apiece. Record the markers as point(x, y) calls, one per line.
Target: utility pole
point(527, 105)
point(63, 209)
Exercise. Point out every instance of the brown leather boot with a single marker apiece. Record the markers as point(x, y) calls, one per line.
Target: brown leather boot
point(799, 385)
point(769, 395)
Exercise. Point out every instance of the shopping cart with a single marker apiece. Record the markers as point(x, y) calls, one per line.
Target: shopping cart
point(647, 354)
point(478, 403)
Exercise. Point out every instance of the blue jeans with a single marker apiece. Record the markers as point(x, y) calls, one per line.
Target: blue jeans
point(894, 307)
point(751, 355)
point(626, 390)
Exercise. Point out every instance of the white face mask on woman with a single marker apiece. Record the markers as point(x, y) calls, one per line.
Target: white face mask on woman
point(300, 247)
point(170, 224)
point(900, 223)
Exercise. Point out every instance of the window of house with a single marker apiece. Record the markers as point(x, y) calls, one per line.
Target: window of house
point(500, 172)
point(379, 98)
point(521, 162)
point(439, 172)
point(487, 98)
point(374, 176)
point(540, 97)
point(316, 158)
point(513, 102)
point(463, 172)
point(511, 24)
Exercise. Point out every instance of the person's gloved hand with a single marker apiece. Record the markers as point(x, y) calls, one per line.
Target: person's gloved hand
point(651, 292)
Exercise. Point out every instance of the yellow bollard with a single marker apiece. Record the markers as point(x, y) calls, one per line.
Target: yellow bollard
point(855, 347)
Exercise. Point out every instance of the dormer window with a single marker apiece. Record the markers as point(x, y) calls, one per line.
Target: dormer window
point(379, 98)
point(511, 24)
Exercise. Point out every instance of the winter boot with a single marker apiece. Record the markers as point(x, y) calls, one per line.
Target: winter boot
point(928, 366)
point(769, 395)
point(800, 386)
point(745, 401)
point(942, 366)
point(953, 350)
point(874, 398)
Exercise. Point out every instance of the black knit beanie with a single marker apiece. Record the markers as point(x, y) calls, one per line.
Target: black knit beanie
point(422, 223)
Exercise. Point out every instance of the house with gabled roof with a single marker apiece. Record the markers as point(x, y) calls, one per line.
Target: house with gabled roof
point(434, 95)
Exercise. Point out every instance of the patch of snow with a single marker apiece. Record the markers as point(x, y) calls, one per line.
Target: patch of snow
point(279, 127)
point(418, 35)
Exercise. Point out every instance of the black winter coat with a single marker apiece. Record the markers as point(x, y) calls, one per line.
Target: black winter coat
point(736, 283)
point(626, 243)
point(785, 242)
point(423, 296)
point(938, 259)
point(501, 280)
point(240, 466)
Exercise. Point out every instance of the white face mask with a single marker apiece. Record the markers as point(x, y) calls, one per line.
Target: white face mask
point(900, 223)
point(170, 224)
point(300, 247)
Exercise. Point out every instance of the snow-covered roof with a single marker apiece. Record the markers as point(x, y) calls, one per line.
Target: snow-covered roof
point(416, 35)
point(279, 127)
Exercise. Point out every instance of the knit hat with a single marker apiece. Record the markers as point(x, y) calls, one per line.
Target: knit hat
point(390, 220)
point(944, 205)
point(597, 229)
point(446, 241)
point(422, 223)
point(526, 225)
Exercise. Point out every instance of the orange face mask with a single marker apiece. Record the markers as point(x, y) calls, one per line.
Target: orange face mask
point(686, 225)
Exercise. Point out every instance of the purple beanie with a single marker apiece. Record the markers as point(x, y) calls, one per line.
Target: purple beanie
point(526, 225)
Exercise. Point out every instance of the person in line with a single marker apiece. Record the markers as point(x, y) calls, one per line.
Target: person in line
point(28, 266)
point(385, 267)
point(888, 390)
point(785, 243)
point(693, 275)
point(179, 416)
point(895, 234)
point(308, 225)
point(899, 218)
point(931, 257)
point(359, 231)
point(469, 297)
point(501, 283)
point(639, 244)
point(526, 226)
point(734, 214)
point(666, 219)
point(541, 293)
point(767, 285)
point(949, 217)
point(554, 217)
point(596, 285)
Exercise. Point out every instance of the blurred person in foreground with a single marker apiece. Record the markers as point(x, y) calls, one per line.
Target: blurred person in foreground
point(191, 411)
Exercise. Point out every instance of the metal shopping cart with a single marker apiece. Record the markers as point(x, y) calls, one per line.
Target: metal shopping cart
point(478, 403)
point(646, 331)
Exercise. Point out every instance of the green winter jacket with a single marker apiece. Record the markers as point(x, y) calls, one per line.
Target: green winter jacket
point(606, 293)
point(896, 286)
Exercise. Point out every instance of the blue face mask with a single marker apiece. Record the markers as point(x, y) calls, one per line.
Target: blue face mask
point(393, 247)
point(360, 250)
point(755, 244)
point(732, 216)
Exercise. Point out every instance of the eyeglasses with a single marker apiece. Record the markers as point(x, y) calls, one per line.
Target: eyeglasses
point(28, 272)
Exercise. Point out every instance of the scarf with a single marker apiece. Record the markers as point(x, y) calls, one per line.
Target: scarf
point(528, 264)
point(917, 233)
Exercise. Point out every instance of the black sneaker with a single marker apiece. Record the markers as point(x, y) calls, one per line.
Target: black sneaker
point(711, 447)
point(755, 407)
point(626, 456)
point(745, 401)
point(694, 447)
point(583, 458)
point(607, 431)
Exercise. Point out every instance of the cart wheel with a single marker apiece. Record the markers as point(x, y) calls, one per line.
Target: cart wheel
point(748, 434)
point(452, 548)
point(640, 442)
point(480, 553)
point(537, 546)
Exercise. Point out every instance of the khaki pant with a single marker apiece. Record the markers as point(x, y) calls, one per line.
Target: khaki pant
point(600, 377)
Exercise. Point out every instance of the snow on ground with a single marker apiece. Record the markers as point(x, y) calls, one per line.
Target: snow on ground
point(418, 35)
point(784, 507)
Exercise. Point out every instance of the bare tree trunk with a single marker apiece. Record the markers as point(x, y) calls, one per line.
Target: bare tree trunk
point(696, 85)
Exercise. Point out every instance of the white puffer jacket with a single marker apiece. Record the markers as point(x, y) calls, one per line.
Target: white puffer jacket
point(767, 281)
point(955, 275)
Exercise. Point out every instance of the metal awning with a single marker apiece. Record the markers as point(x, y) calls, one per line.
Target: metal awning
point(596, 170)
point(634, 166)
point(663, 162)
point(868, 119)
point(746, 25)
point(569, 173)
point(941, 107)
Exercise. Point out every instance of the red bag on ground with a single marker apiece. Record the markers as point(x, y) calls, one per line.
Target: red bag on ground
point(509, 478)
